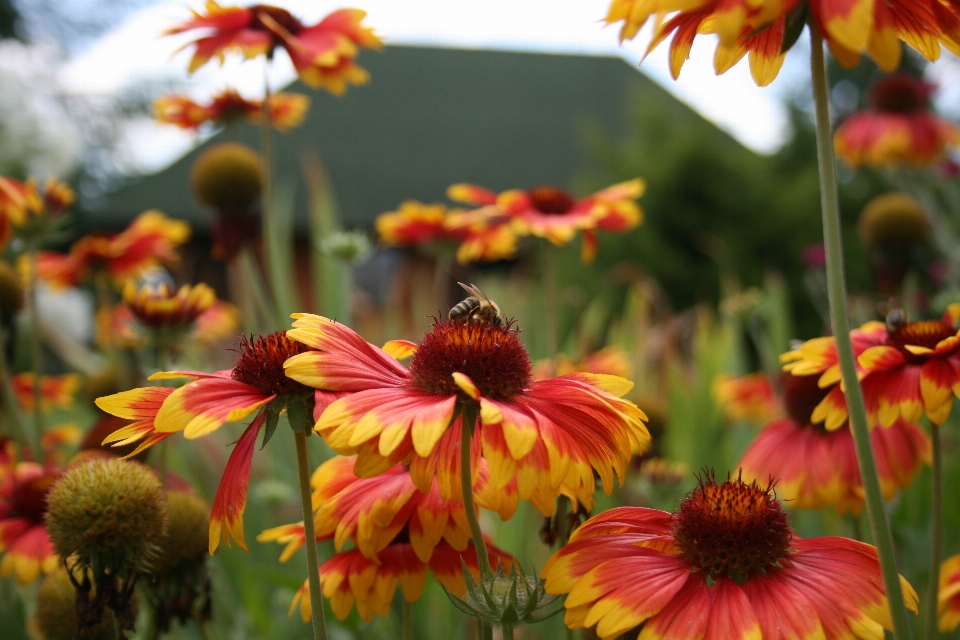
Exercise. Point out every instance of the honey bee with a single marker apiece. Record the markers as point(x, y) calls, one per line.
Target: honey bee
point(896, 318)
point(477, 308)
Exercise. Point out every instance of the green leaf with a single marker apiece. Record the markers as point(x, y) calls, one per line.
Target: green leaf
point(269, 426)
point(796, 19)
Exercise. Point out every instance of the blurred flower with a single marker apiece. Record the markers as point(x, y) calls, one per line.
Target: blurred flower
point(28, 212)
point(898, 128)
point(611, 360)
point(949, 594)
point(55, 391)
point(322, 53)
point(550, 435)
point(746, 398)
point(149, 241)
point(349, 578)
point(766, 29)
point(814, 256)
point(57, 197)
point(554, 214)
point(893, 221)
point(349, 247)
point(724, 565)
point(415, 223)
point(158, 307)
point(660, 471)
point(118, 325)
point(287, 110)
point(818, 468)
point(27, 550)
point(11, 291)
point(209, 400)
point(485, 235)
point(371, 512)
point(906, 369)
point(219, 322)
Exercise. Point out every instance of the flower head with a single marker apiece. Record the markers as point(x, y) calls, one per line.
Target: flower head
point(818, 468)
point(287, 110)
point(898, 128)
point(725, 564)
point(55, 391)
point(255, 385)
point(27, 550)
point(556, 215)
point(322, 53)
point(748, 397)
point(148, 242)
point(893, 221)
point(949, 594)
point(550, 435)
point(764, 30)
point(415, 223)
point(28, 211)
point(157, 306)
point(906, 369)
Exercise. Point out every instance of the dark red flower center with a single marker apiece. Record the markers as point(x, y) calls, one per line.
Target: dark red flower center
point(733, 529)
point(926, 333)
point(900, 93)
point(551, 200)
point(492, 356)
point(260, 364)
point(264, 15)
point(29, 497)
point(801, 395)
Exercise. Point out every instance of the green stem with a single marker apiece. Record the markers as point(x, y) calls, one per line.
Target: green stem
point(255, 285)
point(309, 532)
point(441, 277)
point(550, 295)
point(266, 148)
point(36, 353)
point(466, 485)
point(936, 536)
point(406, 620)
point(12, 405)
point(841, 330)
point(507, 631)
point(560, 517)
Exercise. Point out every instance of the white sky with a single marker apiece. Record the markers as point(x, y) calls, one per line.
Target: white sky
point(135, 51)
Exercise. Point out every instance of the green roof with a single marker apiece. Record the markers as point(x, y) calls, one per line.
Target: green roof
point(431, 117)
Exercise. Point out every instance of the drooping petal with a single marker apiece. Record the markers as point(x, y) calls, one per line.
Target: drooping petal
point(226, 516)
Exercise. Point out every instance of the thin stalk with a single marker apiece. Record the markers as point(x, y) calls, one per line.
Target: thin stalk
point(201, 629)
point(309, 532)
point(836, 290)
point(441, 277)
point(406, 620)
point(936, 536)
point(507, 631)
point(266, 148)
point(258, 290)
point(550, 294)
point(466, 484)
point(162, 338)
point(12, 406)
point(36, 353)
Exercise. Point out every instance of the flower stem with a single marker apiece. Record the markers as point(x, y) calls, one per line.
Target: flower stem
point(406, 620)
point(841, 330)
point(469, 420)
point(507, 631)
point(36, 353)
point(550, 295)
point(936, 535)
point(256, 286)
point(12, 406)
point(309, 532)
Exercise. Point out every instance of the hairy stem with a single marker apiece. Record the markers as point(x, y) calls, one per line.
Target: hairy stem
point(466, 484)
point(310, 534)
point(936, 536)
point(841, 330)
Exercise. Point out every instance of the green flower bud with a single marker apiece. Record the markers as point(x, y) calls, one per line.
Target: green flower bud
point(346, 246)
point(506, 600)
point(227, 177)
point(56, 614)
point(185, 545)
point(110, 514)
point(893, 221)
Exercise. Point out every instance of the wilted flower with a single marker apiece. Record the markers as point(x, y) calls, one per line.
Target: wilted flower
point(55, 391)
point(56, 614)
point(287, 110)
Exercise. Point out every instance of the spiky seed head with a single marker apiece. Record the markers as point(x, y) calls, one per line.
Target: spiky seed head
point(110, 514)
point(893, 221)
point(227, 177)
point(187, 534)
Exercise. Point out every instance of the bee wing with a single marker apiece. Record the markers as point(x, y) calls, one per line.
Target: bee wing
point(475, 292)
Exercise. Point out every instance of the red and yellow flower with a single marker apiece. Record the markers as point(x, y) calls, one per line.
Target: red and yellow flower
point(898, 128)
point(761, 29)
point(749, 397)
point(287, 110)
point(20, 202)
point(551, 435)
point(27, 551)
point(415, 223)
point(157, 306)
point(611, 360)
point(349, 578)
point(151, 240)
point(55, 391)
point(906, 370)
point(948, 596)
point(724, 565)
point(256, 384)
point(818, 468)
point(556, 215)
point(322, 53)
